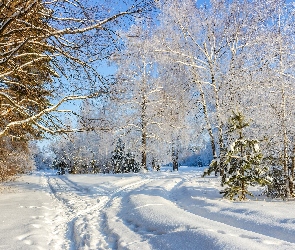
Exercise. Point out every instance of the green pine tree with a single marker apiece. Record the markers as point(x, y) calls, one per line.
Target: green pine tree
point(131, 165)
point(118, 157)
point(242, 161)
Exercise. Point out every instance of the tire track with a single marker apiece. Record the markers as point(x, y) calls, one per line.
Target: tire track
point(83, 222)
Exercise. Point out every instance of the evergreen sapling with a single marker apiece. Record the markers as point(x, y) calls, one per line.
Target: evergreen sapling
point(242, 162)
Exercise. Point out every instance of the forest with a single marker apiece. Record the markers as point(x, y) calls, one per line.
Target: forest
point(206, 83)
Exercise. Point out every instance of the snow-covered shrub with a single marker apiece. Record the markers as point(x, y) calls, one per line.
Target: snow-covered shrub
point(282, 185)
point(131, 165)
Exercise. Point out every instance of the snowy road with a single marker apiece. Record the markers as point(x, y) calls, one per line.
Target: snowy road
point(143, 211)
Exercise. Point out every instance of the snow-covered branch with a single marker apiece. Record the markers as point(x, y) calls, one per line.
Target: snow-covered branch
point(34, 118)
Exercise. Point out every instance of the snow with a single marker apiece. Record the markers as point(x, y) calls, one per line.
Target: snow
point(256, 147)
point(231, 147)
point(155, 210)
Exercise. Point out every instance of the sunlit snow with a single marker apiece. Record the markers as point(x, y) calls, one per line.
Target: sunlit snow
point(154, 210)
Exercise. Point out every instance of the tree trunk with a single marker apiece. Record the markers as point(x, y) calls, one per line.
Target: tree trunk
point(154, 163)
point(219, 124)
point(143, 133)
point(143, 119)
point(174, 157)
point(243, 197)
point(205, 112)
point(291, 174)
point(284, 116)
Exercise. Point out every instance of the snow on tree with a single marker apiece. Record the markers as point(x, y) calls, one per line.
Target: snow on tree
point(267, 71)
point(118, 157)
point(138, 93)
point(202, 40)
point(48, 50)
point(123, 162)
point(243, 162)
point(131, 165)
point(154, 97)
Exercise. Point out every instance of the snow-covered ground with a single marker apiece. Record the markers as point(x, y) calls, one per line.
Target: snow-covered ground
point(165, 210)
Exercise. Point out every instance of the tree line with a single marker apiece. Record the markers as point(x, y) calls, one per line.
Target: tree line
point(185, 76)
point(182, 77)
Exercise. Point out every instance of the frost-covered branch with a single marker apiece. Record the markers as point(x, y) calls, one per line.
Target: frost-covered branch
point(33, 118)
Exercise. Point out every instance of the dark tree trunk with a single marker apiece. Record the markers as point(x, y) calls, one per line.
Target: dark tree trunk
point(143, 133)
point(291, 174)
point(175, 157)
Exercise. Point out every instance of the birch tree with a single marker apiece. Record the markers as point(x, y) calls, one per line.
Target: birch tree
point(279, 37)
point(177, 109)
point(217, 44)
point(200, 47)
point(136, 69)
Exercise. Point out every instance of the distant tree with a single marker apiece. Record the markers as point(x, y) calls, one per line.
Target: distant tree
point(16, 157)
point(155, 164)
point(139, 91)
point(123, 162)
point(118, 157)
point(131, 165)
point(282, 53)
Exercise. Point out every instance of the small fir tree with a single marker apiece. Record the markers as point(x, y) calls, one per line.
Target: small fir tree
point(118, 157)
point(131, 165)
point(282, 183)
point(155, 164)
point(242, 162)
point(277, 188)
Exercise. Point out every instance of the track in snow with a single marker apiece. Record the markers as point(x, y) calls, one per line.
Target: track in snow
point(159, 211)
point(82, 221)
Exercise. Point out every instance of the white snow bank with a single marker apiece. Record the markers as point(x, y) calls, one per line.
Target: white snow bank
point(163, 210)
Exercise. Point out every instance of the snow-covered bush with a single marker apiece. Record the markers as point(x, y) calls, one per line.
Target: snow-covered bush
point(277, 187)
point(131, 165)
